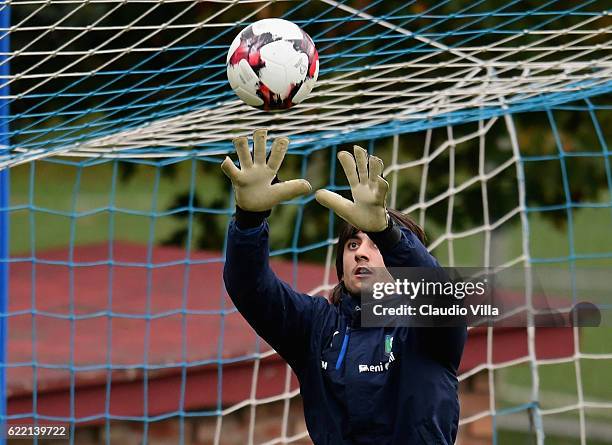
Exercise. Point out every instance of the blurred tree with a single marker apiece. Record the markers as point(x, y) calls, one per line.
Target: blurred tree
point(98, 99)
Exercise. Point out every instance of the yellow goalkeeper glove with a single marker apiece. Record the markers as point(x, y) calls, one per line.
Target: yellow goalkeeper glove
point(253, 181)
point(367, 211)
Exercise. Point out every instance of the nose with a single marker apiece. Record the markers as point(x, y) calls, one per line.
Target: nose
point(361, 254)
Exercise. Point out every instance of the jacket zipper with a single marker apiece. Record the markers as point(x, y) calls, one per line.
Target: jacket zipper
point(347, 334)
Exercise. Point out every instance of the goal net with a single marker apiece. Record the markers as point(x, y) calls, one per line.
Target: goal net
point(493, 120)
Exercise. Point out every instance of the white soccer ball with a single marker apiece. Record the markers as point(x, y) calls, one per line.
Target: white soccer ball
point(272, 64)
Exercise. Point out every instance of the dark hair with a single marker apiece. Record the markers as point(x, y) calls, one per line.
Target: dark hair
point(348, 231)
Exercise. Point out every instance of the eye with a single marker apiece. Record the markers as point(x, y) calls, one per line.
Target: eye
point(352, 245)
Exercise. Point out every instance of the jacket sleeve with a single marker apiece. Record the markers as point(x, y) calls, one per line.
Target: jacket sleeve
point(402, 248)
point(279, 314)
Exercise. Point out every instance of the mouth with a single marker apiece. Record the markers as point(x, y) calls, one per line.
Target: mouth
point(362, 272)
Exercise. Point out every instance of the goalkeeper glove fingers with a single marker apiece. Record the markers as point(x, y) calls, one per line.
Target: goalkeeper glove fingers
point(253, 181)
point(367, 212)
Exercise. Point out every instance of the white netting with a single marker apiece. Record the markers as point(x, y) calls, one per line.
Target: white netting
point(443, 91)
point(417, 64)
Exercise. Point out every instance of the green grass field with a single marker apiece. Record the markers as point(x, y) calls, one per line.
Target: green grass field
point(56, 192)
point(52, 194)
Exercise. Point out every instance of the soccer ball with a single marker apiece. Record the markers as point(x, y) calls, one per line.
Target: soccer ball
point(272, 64)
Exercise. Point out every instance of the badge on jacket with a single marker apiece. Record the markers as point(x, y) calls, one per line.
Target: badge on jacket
point(388, 344)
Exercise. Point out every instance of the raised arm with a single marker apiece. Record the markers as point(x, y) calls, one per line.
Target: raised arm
point(399, 246)
point(278, 313)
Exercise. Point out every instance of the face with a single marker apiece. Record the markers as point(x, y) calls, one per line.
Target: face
point(360, 257)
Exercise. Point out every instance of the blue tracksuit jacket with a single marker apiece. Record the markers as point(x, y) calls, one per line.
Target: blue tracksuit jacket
point(355, 390)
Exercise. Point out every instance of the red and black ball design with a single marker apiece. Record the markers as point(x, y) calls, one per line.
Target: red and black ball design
point(272, 64)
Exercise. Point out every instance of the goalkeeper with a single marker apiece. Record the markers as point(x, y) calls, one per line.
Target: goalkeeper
point(349, 396)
